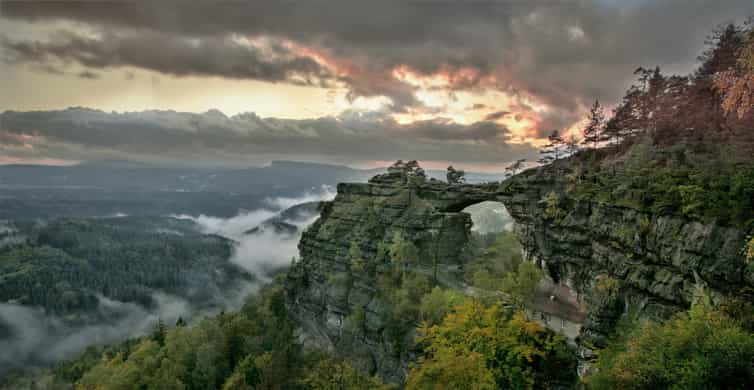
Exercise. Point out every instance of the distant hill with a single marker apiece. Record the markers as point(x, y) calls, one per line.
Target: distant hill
point(113, 187)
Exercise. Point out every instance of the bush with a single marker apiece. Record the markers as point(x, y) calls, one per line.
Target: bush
point(483, 347)
point(700, 349)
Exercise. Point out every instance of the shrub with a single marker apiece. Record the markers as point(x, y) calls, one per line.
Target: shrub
point(699, 349)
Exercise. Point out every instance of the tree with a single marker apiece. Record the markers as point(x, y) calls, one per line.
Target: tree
point(699, 349)
point(160, 331)
point(515, 167)
point(594, 130)
point(455, 176)
point(737, 83)
point(552, 151)
point(520, 285)
point(572, 144)
point(334, 374)
point(484, 347)
point(403, 253)
point(723, 45)
point(438, 303)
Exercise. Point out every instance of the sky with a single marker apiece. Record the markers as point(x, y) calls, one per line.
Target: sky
point(476, 83)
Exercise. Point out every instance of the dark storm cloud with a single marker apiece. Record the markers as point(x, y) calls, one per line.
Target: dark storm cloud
point(82, 134)
point(88, 75)
point(477, 106)
point(178, 56)
point(493, 116)
point(564, 53)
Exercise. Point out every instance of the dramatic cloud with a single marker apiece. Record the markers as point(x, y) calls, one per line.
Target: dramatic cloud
point(231, 57)
point(563, 53)
point(493, 116)
point(83, 134)
point(440, 65)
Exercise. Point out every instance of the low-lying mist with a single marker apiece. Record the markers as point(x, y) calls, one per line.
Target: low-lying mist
point(265, 242)
point(266, 249)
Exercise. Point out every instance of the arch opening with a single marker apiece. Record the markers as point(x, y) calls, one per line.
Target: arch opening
point(489, 217)
point(496, 253)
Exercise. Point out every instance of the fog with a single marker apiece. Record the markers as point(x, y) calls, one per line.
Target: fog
point(29, 337)
point(266, 250)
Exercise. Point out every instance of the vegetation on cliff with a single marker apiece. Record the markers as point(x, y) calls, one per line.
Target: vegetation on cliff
point(481, 346)
point(680, 144)
point(700, 349)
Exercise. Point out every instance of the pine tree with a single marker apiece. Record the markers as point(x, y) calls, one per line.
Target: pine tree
point(551, 151)
point(595, 129)
point(514, 167)
point(160, 332)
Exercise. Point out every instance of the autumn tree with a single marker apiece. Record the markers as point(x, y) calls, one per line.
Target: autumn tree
point(484, 347)
point(737, 83)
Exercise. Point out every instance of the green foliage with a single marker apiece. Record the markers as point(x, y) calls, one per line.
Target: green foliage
point(67, 262)
point(483, 347)
point(553, 211)
point(494, 256)
point(700, 349)
point(438, 303)
point(520, 285)
point(606, 286)
point(702, 181)
point(331, 374)
point(403, 253)
point(254, 348)
point(748, 251)
point(403, 302)
point(356, 320)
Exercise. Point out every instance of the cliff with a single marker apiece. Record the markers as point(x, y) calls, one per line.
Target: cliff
point(614, 259)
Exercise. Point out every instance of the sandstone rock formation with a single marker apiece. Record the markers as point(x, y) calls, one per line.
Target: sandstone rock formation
point(656, 263)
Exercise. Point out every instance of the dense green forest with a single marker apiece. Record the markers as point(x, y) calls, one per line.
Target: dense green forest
point(253, 348)
point(63, 265)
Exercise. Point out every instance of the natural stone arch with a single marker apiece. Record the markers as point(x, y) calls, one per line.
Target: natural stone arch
point(489, 217)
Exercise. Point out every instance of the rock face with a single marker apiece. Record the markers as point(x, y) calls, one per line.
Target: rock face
point(659, 263)
point(324, 288)
point(656, 263)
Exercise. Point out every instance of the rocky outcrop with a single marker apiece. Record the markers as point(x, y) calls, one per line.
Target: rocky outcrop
point(325, 291)
point(649, 264)
point(658, 262)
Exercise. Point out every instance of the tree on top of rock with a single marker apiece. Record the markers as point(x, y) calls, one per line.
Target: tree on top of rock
point(455, 176)
point(553, 150)
point(515, 167)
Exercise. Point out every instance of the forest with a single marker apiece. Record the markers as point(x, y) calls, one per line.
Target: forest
point(63, 265)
